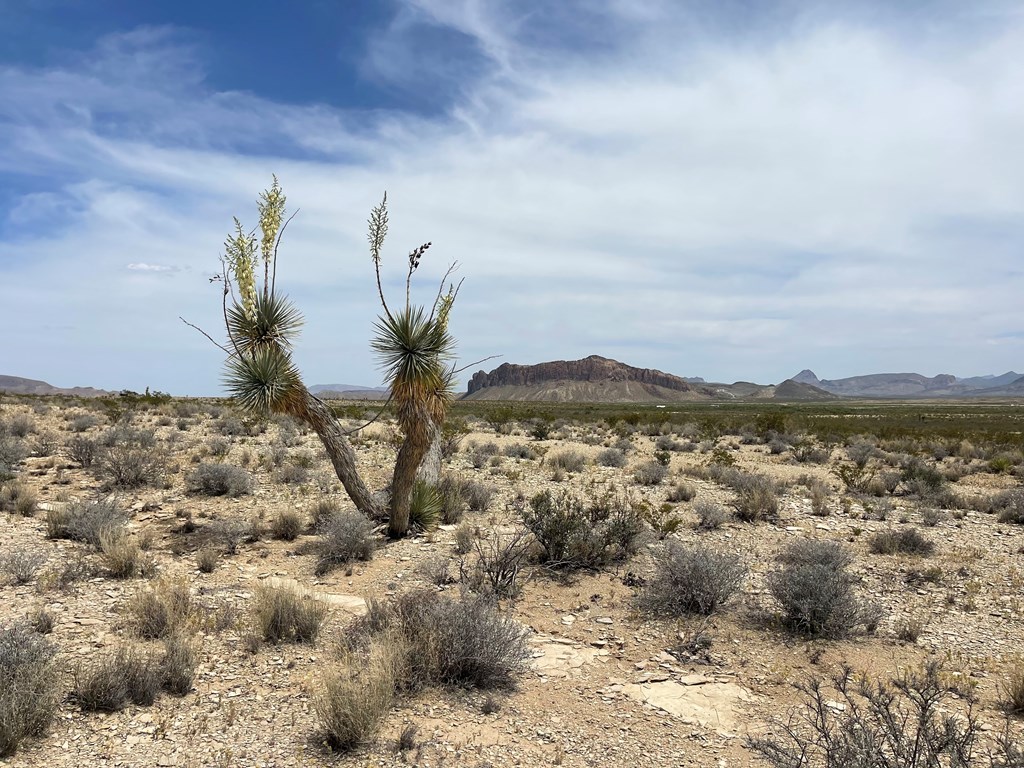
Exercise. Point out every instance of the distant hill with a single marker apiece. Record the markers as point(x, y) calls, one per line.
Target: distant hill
point(16, 385)
point(896, 385)
point(597, 379)
point(349, 392)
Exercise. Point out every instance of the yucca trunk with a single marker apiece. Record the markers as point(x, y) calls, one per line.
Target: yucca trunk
point(410, 457)
point(430, 467)
point(319, 417)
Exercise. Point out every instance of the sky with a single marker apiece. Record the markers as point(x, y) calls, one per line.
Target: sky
point(731, 189)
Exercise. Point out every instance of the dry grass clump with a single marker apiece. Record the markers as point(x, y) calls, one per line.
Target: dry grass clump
point(219, 480)
point(30, 686)
point(158, 611)
point(681, 492)
point(206, 559)
point(692, 580)
point(816, 592)
point(611, 457)
point(463, 641)
point(12, 452)
point(354, 697)
point(178, 664)
point(121, 554)
point(344, 537)
point(284, 614)
point(756, 499)
point(17, 498)
point(907, 541)
point(710, 515)
point(86, 521)
point(568, 460)
point(1013, 692)
point(112, 681)
point(288, 525)
point(453, 502)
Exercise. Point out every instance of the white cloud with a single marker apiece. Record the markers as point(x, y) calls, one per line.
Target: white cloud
point(833, 195)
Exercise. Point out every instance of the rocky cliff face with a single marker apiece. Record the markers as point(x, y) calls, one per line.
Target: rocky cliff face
point(593, 368)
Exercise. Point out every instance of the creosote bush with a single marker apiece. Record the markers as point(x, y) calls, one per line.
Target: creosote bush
point(574, 534)
point(911, 721)
point(285, 614)
point(691, 580)
point(219, 480)
point(817, 593)
point(30, 686)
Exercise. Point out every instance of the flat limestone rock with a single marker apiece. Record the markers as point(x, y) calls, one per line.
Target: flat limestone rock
point(713, 705)
point(557, 657)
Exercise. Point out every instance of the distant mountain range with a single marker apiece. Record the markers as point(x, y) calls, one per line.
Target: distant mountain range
point(16, 385)
point(1009, 384)
point(597, 379)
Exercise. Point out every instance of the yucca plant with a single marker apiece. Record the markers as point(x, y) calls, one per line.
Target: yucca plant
point(415, 351)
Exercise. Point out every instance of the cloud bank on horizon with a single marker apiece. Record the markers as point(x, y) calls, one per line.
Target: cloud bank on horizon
point(711, 189)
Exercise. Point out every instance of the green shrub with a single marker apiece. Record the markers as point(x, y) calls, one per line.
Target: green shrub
point(575, 535)
point(424, 506)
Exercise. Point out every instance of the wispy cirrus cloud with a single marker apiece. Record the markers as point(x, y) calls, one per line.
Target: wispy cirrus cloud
point(833, 187)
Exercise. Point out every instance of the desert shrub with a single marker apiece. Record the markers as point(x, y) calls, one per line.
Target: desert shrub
point(756, 499)
point(20, 566)
point(19, 425)
point(40, 620)
point(575, 535)
point(82, 450)
point(1010, 506)
point(160, 610)
point(130, 459)
point(177, 666)
point(667, 443)
point(519, 451)
point(932, 517)
point(450, 495)
point(464, 538)
point(353, 699)
point(710, 515)
point(30, 686)
point(12, 453)
point(861, 452)
point(113, 680)
point(611, 457)
point(817, 593)
point(218, 446)
point(230, 533)
point(86, 521)
point(120, 554)
point(819, 499)
point(907, 541)
point(649, 473)
point(287, 525)
point(285, 614)
point(463, 641)
point(17, 498)
point(568, 460)
point(691, 580)
point(345, 537)
point(681, 492)
point(912, 721)
point(83, 422)
point(323, 510)
point(292, 474)
point(437, 569)
point(499, 559)
point(478, 495)
point(219, 480)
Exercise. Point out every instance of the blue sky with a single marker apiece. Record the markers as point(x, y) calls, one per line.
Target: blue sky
point(733, 190)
